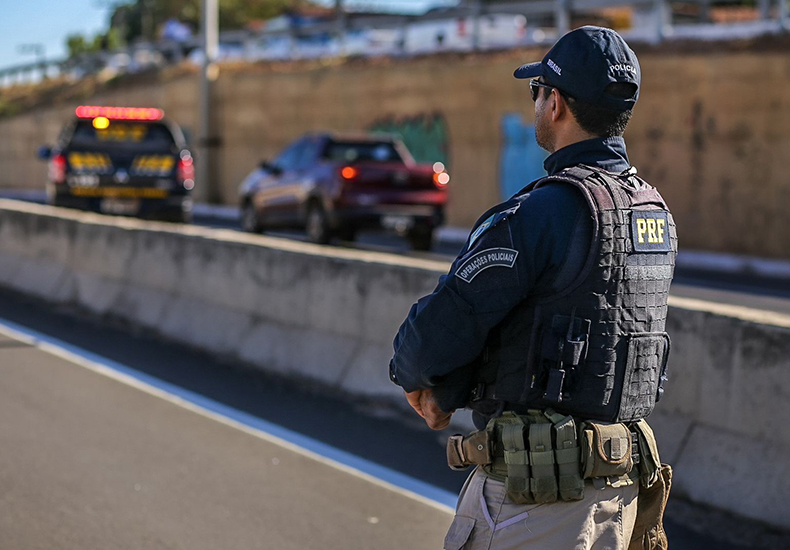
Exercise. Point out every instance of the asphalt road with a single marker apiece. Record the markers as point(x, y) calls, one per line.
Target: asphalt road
point(88, 462)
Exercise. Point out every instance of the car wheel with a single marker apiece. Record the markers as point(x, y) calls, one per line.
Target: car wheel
point(420, 238)
point(250, 221)
point(317, 225)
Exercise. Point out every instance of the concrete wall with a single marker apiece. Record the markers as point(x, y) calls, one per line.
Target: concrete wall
point(329, 315)
point(702, 131)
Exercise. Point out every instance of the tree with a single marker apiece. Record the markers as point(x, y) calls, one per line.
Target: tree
point(143, 18)
point(77, 45)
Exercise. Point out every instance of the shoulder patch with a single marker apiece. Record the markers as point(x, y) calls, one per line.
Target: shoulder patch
point(491, 257)
point(491, 221)
point(650, 231)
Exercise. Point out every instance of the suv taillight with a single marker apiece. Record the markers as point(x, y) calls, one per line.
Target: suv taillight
point(57, 169)
point(185, 171)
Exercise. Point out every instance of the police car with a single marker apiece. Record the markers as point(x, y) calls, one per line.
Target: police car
point(124, 161)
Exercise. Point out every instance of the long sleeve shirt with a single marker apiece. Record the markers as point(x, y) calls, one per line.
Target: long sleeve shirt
point(531, 244)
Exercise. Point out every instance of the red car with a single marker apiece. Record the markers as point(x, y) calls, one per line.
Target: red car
point(333, 186)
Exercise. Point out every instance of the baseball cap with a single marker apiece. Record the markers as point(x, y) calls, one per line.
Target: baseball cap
point(584, 62)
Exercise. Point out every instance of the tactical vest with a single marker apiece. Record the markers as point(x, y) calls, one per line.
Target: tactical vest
point(596, 349)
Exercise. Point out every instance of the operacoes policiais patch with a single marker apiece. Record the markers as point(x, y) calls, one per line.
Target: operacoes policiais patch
point(491, 257)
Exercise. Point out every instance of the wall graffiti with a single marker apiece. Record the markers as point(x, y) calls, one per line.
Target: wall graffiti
point(426, 136)
point(521, 160)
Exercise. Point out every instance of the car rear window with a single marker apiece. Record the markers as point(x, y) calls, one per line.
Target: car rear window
point(123, 133)
point(383, 151)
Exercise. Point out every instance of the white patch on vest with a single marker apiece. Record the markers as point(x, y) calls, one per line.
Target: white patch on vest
point(491, 257)
point(554, 67)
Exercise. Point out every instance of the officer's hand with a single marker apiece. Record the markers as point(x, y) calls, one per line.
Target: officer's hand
point(424, 402)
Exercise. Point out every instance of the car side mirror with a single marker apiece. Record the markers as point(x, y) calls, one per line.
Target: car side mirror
point(271, 168)
point(44, 152)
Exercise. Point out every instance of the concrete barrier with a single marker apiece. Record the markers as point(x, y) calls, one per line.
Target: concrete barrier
point(329, 315)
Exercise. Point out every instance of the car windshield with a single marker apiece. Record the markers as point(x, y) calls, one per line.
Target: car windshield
point(367, 151)
point(123, 133)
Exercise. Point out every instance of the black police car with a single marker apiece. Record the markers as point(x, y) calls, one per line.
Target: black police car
point(124, 161)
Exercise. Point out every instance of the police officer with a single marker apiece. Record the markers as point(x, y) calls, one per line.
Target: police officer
point(550, 327)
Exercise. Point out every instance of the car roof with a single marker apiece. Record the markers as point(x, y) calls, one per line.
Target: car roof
point(171, 125)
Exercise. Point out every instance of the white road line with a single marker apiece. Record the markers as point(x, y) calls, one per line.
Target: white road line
point(430, 495)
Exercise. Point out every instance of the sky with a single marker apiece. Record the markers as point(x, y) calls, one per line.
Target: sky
point(46, 22)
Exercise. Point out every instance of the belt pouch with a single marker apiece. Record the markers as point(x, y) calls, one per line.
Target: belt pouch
point(517, 461)
point(606, 450)
point(650, 461)
point(544, 481)
point(455, 453)
point(472, 449)
point(568, 457)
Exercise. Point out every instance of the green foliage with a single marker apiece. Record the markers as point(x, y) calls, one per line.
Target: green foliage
point(77, 45)
point(143, 19)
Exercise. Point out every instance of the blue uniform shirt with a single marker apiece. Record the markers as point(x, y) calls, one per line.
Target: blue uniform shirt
point(529, 245)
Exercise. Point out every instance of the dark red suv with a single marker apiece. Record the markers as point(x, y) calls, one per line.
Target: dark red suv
point(335, 185)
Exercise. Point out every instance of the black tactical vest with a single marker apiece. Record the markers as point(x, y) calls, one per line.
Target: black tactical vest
point(596, 349)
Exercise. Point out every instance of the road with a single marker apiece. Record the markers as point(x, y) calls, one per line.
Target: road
point(90, 462)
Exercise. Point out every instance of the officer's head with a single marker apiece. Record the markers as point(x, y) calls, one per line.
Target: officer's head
point(585, 87)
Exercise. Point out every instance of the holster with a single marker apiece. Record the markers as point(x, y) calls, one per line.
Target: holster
point(652, 502)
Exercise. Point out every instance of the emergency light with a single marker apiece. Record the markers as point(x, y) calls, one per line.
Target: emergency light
point(119, 113)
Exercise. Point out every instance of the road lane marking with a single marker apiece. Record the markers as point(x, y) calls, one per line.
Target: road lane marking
point(321, 452)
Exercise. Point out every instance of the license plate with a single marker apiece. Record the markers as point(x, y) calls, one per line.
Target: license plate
point(398, 223)
point(120, 206)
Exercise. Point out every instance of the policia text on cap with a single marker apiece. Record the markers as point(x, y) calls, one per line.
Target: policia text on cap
point(550, 327)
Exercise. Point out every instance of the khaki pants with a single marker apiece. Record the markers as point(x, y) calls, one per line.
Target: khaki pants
point(487, 520)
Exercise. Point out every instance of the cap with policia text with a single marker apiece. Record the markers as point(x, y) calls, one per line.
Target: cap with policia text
point(584, 62)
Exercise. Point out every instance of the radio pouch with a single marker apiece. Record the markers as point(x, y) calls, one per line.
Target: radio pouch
point(606, 450)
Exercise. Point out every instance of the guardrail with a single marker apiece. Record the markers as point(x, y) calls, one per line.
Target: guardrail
point(328, 315)
point(541, 22)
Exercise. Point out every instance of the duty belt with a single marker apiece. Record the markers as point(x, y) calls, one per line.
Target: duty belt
point(541, 456)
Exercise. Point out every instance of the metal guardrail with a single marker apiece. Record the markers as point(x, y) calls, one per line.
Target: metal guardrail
point(555, 14)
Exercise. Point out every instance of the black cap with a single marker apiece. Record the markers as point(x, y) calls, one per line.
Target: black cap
point(584, 62)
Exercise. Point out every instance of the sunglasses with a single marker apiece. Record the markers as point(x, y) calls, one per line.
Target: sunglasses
point(535, 85)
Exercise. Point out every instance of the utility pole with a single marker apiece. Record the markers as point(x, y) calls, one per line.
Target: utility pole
point(477, 11)
point(662, 12)
point(206, 187)
point(340, 19)
point(562, 17)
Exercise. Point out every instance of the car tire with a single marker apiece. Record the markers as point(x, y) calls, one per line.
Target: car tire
point(250, 221)
point(317, 224)
point(420, 238)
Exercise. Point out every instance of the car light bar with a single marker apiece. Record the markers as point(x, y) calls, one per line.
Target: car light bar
point(119, 113)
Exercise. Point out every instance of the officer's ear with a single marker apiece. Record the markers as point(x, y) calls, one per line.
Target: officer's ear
point(559, 106)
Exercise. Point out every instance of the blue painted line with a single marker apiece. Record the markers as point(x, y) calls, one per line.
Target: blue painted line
point(393, 477)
